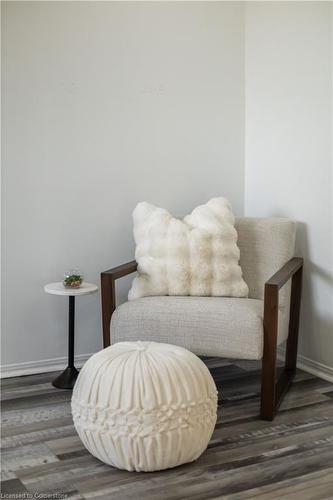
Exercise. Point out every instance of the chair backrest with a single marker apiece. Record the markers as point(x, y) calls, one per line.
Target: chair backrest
point(265, 245)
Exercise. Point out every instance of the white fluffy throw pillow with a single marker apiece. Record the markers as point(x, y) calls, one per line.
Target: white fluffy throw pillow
point(194, 256)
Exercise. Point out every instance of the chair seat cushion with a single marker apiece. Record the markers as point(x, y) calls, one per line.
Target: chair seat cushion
point(208, 326)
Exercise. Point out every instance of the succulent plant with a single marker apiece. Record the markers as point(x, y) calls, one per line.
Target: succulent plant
point(73, 279)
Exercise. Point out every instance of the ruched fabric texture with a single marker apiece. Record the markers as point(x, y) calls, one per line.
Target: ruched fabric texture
point(145, 406)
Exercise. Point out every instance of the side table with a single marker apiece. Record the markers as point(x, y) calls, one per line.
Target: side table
point(67, 378)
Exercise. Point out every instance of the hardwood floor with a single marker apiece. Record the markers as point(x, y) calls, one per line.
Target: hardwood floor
point(290, 458)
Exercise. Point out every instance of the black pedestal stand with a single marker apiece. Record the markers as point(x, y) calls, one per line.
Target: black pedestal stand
point(67, 378)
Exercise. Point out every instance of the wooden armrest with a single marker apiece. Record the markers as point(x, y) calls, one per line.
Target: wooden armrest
point(123, 270)
point(285, 273)
point(291, 269)
point(108, 293)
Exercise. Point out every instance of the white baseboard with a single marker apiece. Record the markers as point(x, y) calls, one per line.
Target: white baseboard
point(46, 365)
point(56, 364)
point(314, 367)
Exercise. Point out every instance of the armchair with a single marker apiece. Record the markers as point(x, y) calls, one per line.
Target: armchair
point(249, 328)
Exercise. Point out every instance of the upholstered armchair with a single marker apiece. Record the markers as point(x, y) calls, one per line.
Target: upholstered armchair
point(240, 328)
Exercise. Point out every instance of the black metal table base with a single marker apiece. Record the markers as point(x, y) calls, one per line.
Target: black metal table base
point(67, 378)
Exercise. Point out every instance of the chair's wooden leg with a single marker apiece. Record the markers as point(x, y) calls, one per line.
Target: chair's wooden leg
point(108, 306)
point(268, 373)
point(295, 305)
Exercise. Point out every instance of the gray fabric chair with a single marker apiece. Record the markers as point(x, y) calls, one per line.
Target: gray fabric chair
point(249, 328)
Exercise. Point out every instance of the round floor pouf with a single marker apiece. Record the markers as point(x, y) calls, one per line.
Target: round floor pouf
point(144, 406)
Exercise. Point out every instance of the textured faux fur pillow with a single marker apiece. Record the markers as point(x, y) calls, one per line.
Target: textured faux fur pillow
point(194, 256)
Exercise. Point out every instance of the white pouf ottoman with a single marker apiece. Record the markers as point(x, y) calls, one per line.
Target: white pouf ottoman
point(144, 406)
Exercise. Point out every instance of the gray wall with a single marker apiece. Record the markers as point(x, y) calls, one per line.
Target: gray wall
point(107, 104)
point(289, 147)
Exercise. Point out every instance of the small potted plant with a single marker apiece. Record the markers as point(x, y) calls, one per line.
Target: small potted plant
point(73, 279)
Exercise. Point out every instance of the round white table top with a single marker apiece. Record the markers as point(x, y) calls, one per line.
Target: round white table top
point(59, 289)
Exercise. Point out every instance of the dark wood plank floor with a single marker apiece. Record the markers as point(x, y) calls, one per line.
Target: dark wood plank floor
point(290, 458)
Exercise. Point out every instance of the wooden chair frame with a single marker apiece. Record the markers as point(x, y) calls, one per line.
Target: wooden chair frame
point(273, 389)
